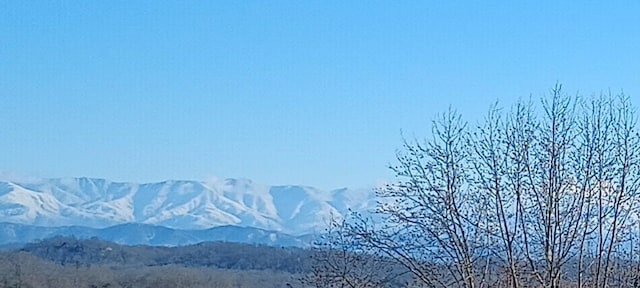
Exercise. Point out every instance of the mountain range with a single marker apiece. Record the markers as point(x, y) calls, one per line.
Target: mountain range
point(184, 205)
point(145, 234)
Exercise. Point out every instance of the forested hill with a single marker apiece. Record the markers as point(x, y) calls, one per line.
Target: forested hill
point(69, 262)
point(224, 255)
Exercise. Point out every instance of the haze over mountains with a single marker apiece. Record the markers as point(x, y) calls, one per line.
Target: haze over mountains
point(187, 205)
point(13, 235)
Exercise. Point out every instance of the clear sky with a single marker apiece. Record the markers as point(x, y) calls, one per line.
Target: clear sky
point(281, 92)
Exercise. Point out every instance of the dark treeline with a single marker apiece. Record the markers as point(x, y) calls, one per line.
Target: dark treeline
point(69, 262)
point(224, 255)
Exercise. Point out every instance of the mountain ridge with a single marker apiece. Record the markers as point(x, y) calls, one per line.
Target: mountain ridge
point(179, 204)
point(146, 234)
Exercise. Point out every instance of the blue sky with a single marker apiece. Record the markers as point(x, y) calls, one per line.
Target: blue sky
point(281, 92)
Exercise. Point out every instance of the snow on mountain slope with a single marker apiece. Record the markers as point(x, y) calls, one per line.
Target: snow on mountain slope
point(21, 205)
point(177, 204)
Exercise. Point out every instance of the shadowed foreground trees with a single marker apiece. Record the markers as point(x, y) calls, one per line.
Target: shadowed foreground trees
point(27, 271)
point(70, 262)
point(533, 196)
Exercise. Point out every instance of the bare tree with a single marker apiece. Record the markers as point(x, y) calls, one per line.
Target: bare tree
point(533, 197)
point(502, 145)
point(435, 225)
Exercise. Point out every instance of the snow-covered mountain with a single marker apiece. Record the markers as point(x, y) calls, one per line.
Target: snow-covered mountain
point(176, 204)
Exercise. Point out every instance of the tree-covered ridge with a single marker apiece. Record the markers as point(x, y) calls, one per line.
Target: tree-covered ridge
point(224, 255)
point(71, 262)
